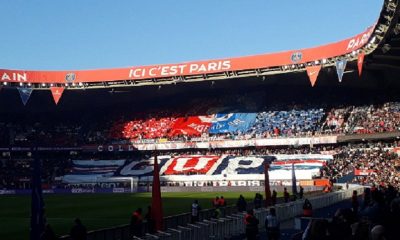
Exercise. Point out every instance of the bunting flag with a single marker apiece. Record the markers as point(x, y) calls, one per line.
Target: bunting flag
point(25, 94)
point(340, 67)
point(156, 204)
point(37, 204)
point(294, 181)
point(57, 93)
point(360, 63)
point(312, 72)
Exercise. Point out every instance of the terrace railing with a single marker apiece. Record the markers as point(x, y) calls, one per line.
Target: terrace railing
point(230, 224)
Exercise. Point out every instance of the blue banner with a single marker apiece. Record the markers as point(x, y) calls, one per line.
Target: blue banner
point(232, 122)
point(25, 94)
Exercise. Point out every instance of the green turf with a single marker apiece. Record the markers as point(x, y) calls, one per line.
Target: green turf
point(95, 210)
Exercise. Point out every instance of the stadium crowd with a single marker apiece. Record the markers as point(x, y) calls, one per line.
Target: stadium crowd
point(182, 124)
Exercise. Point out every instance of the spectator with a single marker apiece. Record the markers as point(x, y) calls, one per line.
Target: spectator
point(151, 225)
point(274, 197)
point(251, 225)
point(222, 202)
point(258, 200)
point(317, 229)
point(301, 192)
point(340, 226)
point(137, 223)
point(241, 204)
point(216, 202)
point(286, 195)
point(195, 211)
point(272, 225)
point(48, 233)
point(217, 213)
point(307, 208)
point(354, 202)
point(78, 231)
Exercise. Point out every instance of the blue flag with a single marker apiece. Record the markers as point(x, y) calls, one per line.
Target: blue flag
point(232, 122)
point(37, 204)
point(25, 93)
point(294, 181)
point(340, 67)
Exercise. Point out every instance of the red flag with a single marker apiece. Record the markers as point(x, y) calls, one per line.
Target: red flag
point(156, 204)
point(312, 72)
point(57, 93)
point(360, 62)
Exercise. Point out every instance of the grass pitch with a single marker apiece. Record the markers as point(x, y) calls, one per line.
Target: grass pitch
point(95, 210)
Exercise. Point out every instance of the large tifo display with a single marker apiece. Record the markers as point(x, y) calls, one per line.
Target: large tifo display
point(200, 168)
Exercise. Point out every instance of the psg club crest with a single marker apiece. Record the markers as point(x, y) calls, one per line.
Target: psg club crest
point(70, 77)
point(296, 57)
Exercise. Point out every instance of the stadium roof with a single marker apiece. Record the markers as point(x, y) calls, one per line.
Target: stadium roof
point(379, 43)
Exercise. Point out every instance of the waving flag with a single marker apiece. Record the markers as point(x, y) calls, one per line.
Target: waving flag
point(191, 126)
point(233, 122)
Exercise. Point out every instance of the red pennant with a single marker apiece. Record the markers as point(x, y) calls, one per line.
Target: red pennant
point(312, 72)
point(156, 203)
point(57, 93)
point(360, 63)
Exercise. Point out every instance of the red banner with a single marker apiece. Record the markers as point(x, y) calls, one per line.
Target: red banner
point(57, 93)
point(360, 63)
point(191, 68)
point(312, 73)
point(191, 126)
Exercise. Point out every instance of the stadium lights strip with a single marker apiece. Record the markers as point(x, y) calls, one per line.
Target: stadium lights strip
point(384, 24)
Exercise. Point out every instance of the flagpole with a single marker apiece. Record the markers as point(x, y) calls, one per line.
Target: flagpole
point(157, 210)
point(37, 205)
point(267, 187)
point(294, 181)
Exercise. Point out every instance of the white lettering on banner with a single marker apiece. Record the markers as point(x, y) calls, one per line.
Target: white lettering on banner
point(200, 164)
point(357, 42)
point(180, 69)
point(18, 77)
point(234, 164)
point(239, 183)
point(82, 190)
point(118, 190)
point(197, 127)
point(187, 164)
point(129, 170)
point(112, 148)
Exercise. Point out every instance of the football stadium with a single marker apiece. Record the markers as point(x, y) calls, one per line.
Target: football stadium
point(300, 144)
